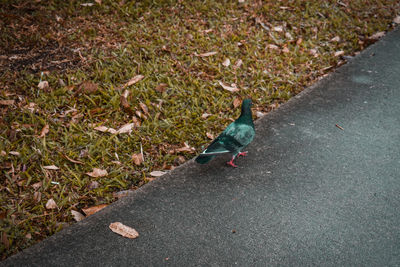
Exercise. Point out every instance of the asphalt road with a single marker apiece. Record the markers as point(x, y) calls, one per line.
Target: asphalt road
point(308, 193)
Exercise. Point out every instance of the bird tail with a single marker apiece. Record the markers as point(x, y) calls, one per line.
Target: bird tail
point(203, 159)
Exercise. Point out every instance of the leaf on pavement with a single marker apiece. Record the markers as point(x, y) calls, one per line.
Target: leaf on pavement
point(92, 210)
point(77, 215)
point(123, 230)
point(157, 173)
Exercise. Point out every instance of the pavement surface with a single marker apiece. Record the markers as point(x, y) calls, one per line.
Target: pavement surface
point(308, 193)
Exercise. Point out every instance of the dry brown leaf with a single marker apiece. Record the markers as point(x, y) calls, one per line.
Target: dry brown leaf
point(97, 173)
point(272, 46)
point(150, 179)
point(137, 159)
point(133, 80)
point(124, 103)
point(7, 102)
point(123, 230)
point(335, 39)
point(161, 87)
point(377, 35)
point(51, 204)
point(157, 173)
point(229, 88)
point(92, 210)
point(98, 1)
point(121, 194)
point(299, 41)
point(144, 108)
point(236, 102)
point(51, 167)
point(278, 28)
point(285, 50)
point(205, 115)
point(45, 130)
point(93, 185)
point(210, 136)
point(339, 53)
point(43, 85)
point(226, 62)
point(4, 240)
point(127, 128)
point(105, 129)
point(397, 20)
point(37, 185)
point(37, 196)
point(28, 236)
point(14, 153)
point(238, 63)
point(186, 148)
point(206, 54)
point(72, 160)
point(3, 153)
point(88, 87)
point(77, 215)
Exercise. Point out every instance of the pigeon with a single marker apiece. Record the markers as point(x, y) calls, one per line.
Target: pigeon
point(233, 139)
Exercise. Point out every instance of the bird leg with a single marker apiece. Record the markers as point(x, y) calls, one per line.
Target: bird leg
point(231, 162)
point(242, 154)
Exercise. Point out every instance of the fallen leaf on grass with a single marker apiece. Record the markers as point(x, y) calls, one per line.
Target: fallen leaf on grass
point(272, 46)
point(51, 167)
point(123, 230)
point(144, 108)
point(121, 194)
point(7, 102)
point(278, 28)
point(397, 20)
point(72, 160)
point(229, 88)
point(226, 62)
point(43, 85)
point(186, 148)
point(205, 115)
point(335, 39)
point(377, 35)
point(157, 173)
point(210, 136)
point(161, 87)
point(77, 215)
point(14, 153)
point(124, 103)
point(87, 87)
point(3, 153)
point(132, 81)
point(137, 159)
point(37, 196)
point(4, 240)
point(93, 185)
point(51, 204)
point(97, 173)
point(105, 129)
point(45, 130)
point(127, 128)
point(37, 185)
point(339, 53)
point(92, 210)
point(238, 63)
point(236, 102)
point(206, 54)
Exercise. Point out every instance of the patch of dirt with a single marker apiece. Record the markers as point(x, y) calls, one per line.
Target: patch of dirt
point(49, 58)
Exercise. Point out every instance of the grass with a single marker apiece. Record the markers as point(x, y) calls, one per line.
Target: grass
point(284, 46)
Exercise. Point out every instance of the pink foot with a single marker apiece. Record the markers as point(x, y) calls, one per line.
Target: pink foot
point(231, 163)
point(242, 154)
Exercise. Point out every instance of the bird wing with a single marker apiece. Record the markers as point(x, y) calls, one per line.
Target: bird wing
point(232, 139)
